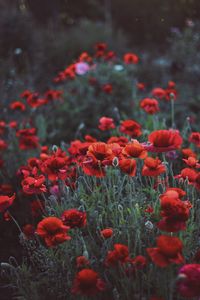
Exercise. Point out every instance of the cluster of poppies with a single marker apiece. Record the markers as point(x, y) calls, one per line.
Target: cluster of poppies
point(162, 161)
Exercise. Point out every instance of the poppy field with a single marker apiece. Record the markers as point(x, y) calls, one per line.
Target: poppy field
point(99, 191)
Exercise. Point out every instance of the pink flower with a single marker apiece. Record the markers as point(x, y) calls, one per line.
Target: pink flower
point(106, 123)
point(81, 68)
point(188, 281)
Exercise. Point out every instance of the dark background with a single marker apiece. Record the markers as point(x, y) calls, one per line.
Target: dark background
point(51, 33)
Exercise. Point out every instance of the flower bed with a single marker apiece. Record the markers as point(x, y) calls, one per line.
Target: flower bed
point(113, 214)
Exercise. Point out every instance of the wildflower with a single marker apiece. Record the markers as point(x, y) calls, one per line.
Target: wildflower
point(188, 281)
point(174, 213)
point(131, 128)
point(34, 185)
point(81, 68)
point(74, 218)
point(164, 140)
point(158, 93)
point(195, 138)
point(173, 192)
point(168, 251)
point(192, 162)
point(3, 145)
point(131, 58)
point(134, 149)
point(5, 202)
point(17, 105)
point(87, 283)
point(53, 231)
point(187, 152)
point(188, 174)
point(140, 86)
point(101, 152)
point(107, 88)
point(128, 166)
point(120, 254)
point(101, 46)
point(171, 84)
point(106, 123)
point(149, 105)
point(27, 138)
point(56, 165)
point(153, 167)
point(82, 261)
point(107, 233)
point(121, 140)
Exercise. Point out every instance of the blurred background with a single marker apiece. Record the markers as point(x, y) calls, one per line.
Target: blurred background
point(39, 38)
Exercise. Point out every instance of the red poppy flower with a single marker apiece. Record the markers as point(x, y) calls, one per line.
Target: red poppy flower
point(188, 174)
point(13, 124)
point(131, 128)
point(174, 214)
point(120, 254)
point(158, 93)
point(187, 152)
point(195, 138)
point(90, 139)
point(188, 281)
point(34, 185)
point(149, 105)
point(27, 138)
point(110, 55)
point(121, 140)
point(100, 46)
point(53, 95)
point(53, 231)
point(107, 88)
point(140, 86)
point(74, 218)
point(171, 84)
point(82, 261)
point(106, 123)
point(25, 94)
point(131, 58)
point(93, 167)
point(168, 251)
point(85, 57)
point(173, 192)
point(192, 162)
point(153, 167)
point(101, 152)
point(139, 262)
point(5, 202)
point(87, 283)
point(56, 165)
point(164, 141)
point(34, 101)
point(17, 105)
point(107, 233)
point(128, 166)
point(3, 145)
point(134, 149)
point(171, 94)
